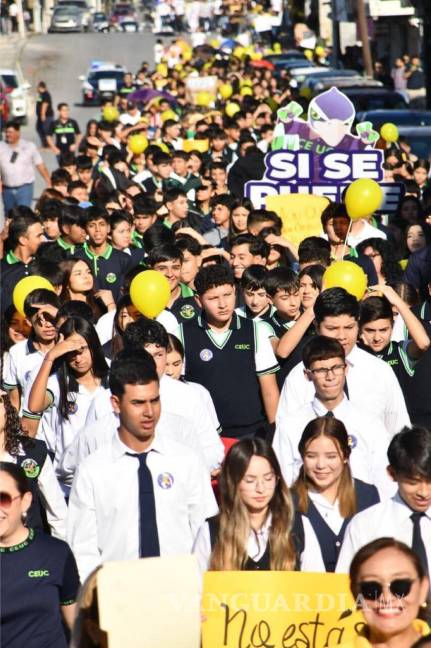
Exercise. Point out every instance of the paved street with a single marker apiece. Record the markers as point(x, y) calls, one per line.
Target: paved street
point(59, 59)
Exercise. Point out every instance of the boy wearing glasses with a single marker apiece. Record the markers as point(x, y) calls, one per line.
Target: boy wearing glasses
point(325, 368)
point(371, 383)
point(407, 515)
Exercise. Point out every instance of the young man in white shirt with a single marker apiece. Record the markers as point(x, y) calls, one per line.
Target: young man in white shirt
point(140, 495)
point(407, 515)
point(177, 397)
point(326, 368)
point(371, 383)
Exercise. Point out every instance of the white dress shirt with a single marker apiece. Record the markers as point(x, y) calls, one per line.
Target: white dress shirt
point(373, 387)
point(51, 495)
point(369, 442)
point(387, 519)
point(102, 431)
point(368, 231)
point(103, 521)
point(329, 512)
point(310, 560)
point(23, 358)
point(181, 399)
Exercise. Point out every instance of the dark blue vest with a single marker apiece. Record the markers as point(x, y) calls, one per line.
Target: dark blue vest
point(330, 543)
point(32, 463)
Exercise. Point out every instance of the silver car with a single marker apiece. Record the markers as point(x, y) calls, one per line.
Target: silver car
point(67, 19)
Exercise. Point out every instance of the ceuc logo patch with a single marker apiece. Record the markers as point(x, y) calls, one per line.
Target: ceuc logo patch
point(165, 480)
point(206, 355)
point(352, 441)
point(111, 277)
point(72, 408)
point(31, 468)
point(187, 311)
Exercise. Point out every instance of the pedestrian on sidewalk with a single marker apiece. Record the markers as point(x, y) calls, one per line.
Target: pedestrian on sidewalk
point(18, 159)
point(44, 112)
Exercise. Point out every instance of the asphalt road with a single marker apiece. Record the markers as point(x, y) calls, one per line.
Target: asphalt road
point(59, 59)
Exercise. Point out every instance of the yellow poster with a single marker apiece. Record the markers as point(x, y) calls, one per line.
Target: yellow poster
point(300, 214)
point(277, 610)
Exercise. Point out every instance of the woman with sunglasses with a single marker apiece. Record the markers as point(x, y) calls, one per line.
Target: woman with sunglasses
point(390, 586)
point(256, 528)
point(48, 508)
point(70, 376)
point(39, 577)
point(325, 491)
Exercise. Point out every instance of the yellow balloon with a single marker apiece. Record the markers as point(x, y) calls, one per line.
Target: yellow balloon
point(363, 198)
point(232, 108)
point(203, 98)
point(246, 91)
point(162, 69)
point(137, 144)
point(150, 292)
point(308, 54)
point(169, 114)
point(347, 275)
point(110, 113)
point(201, 145)
point(320, 51)
point(25, 286)
point(239, 51)
point(389, 132)
point(277, 48)
point(225, 90)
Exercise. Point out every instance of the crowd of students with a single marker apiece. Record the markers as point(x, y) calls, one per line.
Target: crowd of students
point(260, 421)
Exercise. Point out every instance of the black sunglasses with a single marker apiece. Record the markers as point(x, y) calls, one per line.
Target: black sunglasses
point(6, 500)
point(372, 590)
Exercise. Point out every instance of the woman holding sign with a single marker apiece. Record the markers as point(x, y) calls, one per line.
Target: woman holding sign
point(389, 585)
point(325, 491)
point(256, 528)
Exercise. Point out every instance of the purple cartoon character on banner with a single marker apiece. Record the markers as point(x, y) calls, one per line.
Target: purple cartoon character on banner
point(330, 119)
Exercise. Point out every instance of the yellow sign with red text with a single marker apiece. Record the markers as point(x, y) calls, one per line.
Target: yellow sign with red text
point(300, 214)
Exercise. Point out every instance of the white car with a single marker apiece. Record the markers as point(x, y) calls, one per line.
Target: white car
point(17, 93)
point(102, 81)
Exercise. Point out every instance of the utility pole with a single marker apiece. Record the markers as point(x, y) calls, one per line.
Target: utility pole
point(335, 58)
point(363, 35)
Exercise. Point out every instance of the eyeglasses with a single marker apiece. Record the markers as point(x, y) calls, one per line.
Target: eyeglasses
point(322, 372)
point(266, 482)
point(6, 500)
point(372, 590)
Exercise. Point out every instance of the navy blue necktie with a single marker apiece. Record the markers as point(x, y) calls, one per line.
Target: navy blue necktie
point(418, 544)
point(149, 538)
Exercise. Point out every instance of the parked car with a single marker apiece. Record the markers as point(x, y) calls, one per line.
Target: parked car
point(375, 98)
point(67, 19)
point(83, 6)
point(16, 89)
point(397, 117)
point(4, 107)
point(102, 81)
point(124, 17)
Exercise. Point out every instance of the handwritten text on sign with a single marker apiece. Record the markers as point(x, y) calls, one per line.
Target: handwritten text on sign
point(277, 610)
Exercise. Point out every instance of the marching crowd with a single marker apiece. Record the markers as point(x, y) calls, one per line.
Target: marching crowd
point(253, 418)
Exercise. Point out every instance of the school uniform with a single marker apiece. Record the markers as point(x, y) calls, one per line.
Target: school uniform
point(185, 307)
point(371, 384)
point(423, 312)
point(244, 311)
point(22, 360)
point(228, 364)
point(59, 432)
point(69, 249)
point(367, 435)
point(309, 558)
point(177, 399)
point(37, 577)
point(104, 520)
point(280, 326)
point(108, 268)
point(328, 524)
point(105, 324)
point(48, 507)
point(391, 518)
point(12, 270)
point(414, 377)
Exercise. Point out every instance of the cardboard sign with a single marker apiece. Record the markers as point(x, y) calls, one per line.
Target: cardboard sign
point(300, 215)
point(277, 610)
point(151, 602)
point(320, 155)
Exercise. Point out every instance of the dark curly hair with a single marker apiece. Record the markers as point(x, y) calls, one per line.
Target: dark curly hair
point(391, 269)
point(12, 430)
